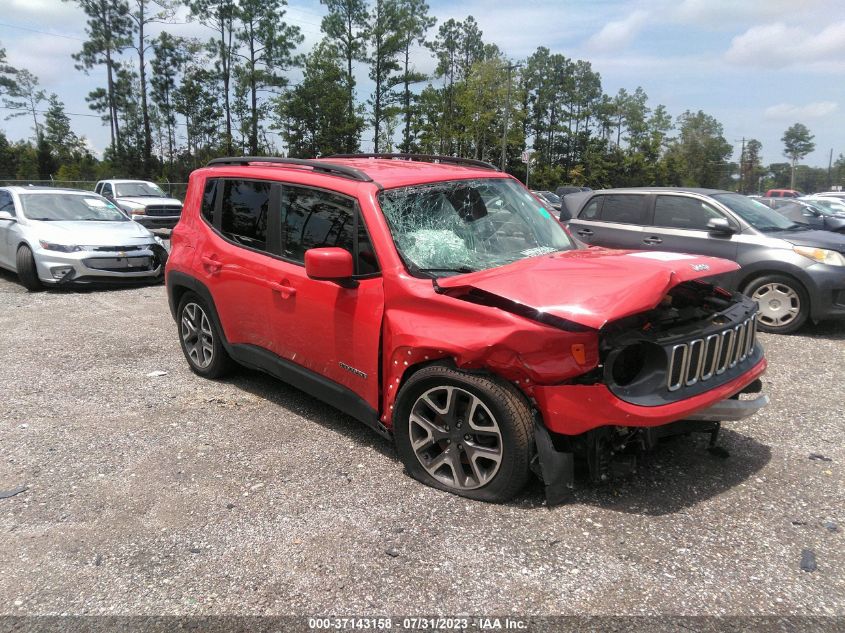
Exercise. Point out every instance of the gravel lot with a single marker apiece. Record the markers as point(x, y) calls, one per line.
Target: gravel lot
point(174, 495)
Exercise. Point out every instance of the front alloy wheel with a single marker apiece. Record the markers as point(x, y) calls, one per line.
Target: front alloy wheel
point(455, 437)
point(470, 434)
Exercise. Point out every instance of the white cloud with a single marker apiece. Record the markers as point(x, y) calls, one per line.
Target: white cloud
point(618, 34)
point(725, 13)
point(779, 46)
point(790, 112)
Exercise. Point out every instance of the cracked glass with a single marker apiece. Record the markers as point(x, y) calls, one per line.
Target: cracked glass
point(460, 226)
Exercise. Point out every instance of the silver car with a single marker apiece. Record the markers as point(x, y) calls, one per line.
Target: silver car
point(144, 201)
point(58, 236)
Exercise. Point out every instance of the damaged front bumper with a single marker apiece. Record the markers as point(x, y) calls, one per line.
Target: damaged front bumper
point(612, 428)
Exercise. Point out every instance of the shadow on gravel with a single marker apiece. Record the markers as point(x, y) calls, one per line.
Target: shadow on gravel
point(291, 398)
point(679, 474)
point(831, 330)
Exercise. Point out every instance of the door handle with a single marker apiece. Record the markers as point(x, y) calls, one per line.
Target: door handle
point(212, 265)
point(287, 291)
point(584, 232)
point(652, 240)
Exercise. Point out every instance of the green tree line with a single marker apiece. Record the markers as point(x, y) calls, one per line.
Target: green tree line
point(170, 103)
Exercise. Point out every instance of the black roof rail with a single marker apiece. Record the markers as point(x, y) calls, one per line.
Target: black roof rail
point(317, 165)
point(429, 158)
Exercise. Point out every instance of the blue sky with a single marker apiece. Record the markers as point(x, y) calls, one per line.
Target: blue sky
point(758, 66)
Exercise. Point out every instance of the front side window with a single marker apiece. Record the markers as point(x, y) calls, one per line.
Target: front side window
point(757, 215)
point(139, 190)
point(591, 211)
point(70, 207)
point(460, 226)
point(243, 212)
point(623, 208)
point(312, 218)
point(6, 203)
point(681, 212)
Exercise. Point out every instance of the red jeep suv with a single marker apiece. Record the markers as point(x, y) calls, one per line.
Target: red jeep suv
point(437, 301)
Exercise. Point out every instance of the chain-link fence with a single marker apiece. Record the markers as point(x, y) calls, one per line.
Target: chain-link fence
point(172, 189)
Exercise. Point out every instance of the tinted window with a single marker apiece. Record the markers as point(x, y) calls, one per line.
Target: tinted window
point(591, 211)
point(316, 219)
point(683, 213)
point(6, 203)
point(243, 213)
point(626, 209)
point(209, 197)
point(107, 189)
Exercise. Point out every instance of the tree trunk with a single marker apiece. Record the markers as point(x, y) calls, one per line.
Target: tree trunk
point(225, 66)
point(253, 126)
point(148, 141)
point(406, 137)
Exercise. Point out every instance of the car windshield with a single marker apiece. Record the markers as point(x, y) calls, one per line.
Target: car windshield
point(70, 207)
point(462, 226)
point(756, 213)
point(139, 190)
point(551, 197)
point(828, 207)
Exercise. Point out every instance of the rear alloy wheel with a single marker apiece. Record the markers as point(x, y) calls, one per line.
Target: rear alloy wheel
point(464, 433)
point(200, 338)
point(27, 271)
point(784, 305)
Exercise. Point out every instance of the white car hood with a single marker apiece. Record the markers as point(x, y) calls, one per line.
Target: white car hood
point(147, 201)
point(124, 233)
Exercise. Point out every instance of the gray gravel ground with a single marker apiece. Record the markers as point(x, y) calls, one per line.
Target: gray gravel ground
point(175, 495)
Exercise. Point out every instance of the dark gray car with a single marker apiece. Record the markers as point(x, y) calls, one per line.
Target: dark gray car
point(795, 273)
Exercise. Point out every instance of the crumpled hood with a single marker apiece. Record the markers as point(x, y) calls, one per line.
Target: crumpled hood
point(146, 201)
point(92, 233)
point(813, 239)
point(590, 287)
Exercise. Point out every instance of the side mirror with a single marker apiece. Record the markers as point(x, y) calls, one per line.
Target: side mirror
point(5, 215)
point(330, 264)
point(720, 226)
point(565, 215)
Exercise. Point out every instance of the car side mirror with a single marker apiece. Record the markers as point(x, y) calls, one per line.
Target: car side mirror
point(720, 226)
point(565, 215)
point(5, 215)
point(330, 264)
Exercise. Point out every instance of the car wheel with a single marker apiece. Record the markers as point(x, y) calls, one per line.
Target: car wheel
point(784, 303)
point(200, 338)
point(464, 433)
point(27, 272)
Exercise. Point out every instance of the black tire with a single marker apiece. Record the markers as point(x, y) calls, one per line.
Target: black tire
point(511, 417)
point(765, 323)
point(27, 272)
point(217, 363)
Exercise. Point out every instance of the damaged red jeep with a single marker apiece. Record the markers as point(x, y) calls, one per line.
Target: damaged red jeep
point(437, 301)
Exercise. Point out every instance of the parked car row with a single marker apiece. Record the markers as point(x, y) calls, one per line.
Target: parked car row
point(795, 273)
point(54, 237)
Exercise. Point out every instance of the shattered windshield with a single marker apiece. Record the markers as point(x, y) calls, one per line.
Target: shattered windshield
point(462, 226)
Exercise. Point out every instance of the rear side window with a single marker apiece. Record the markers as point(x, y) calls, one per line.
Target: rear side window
point(312, 218)
point(243, 212)
point(623, 208)
point(680, 212)
point(209, 198)
point(591, 211)
point(107, 189)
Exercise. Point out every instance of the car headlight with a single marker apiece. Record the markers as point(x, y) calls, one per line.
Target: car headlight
point(62, 248)
point(133, 209)
point(821, 255)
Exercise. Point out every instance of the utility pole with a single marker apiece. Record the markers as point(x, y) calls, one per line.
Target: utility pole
point(742, 167)
point(510, 68)
point(829, 170)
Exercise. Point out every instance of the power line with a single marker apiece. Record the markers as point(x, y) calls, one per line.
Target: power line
point(45, 111)
point(26, 28)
